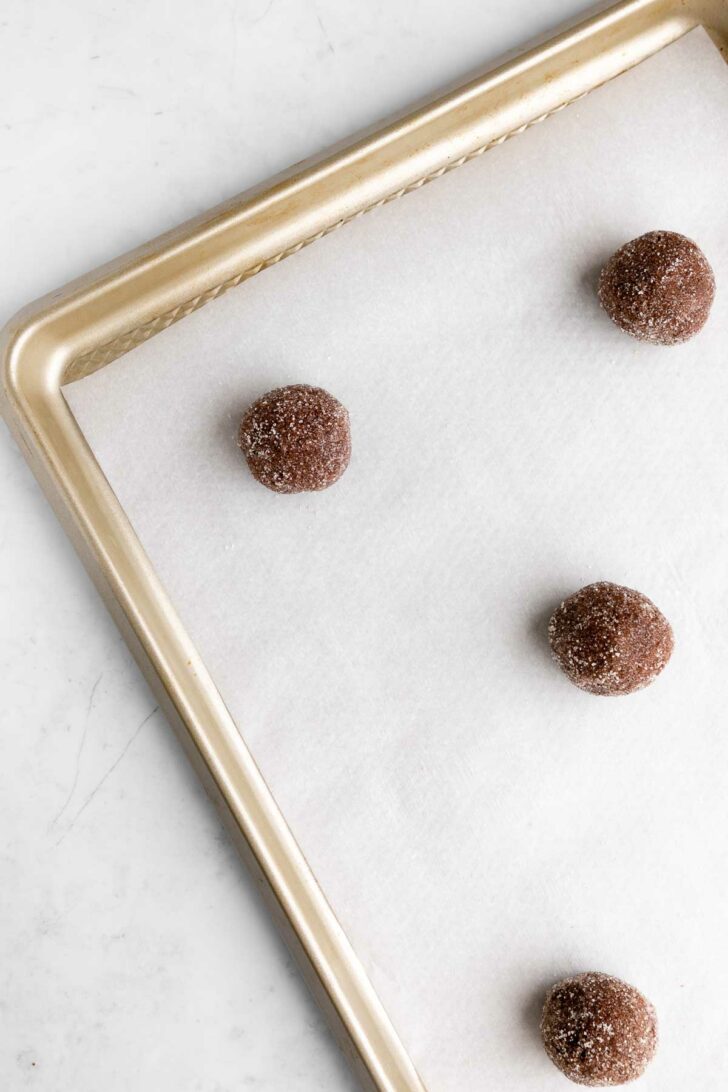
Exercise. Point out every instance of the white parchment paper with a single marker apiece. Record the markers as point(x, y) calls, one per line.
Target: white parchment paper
point(480, 827)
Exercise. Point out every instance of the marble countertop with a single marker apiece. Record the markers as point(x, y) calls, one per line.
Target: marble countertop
point(134, 949)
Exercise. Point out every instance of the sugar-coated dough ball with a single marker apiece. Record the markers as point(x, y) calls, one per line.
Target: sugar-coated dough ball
point(609, 639)
point(598, 1030)
point(658, 287)
point(296, 439)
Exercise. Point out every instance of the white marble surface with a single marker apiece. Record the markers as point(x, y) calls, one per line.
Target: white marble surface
point(134, 951)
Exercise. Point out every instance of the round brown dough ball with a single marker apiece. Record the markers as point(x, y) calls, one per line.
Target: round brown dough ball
point(609, 639)
point(296, 439)
point(658, 287)
point(598, 1030)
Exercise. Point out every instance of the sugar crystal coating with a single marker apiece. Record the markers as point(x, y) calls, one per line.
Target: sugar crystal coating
point(658, 288)
point(296, 439)
point(598, 1030)
point(609, 639)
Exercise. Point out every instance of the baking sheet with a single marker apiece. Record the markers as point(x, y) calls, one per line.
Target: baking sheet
point(480, 827)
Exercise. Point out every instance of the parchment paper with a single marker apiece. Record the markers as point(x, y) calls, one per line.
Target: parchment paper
point(480, 826)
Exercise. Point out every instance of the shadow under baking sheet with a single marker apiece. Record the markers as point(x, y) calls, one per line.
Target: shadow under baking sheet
point(479, 826)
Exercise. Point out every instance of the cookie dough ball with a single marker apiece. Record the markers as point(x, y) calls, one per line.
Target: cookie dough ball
point(609, 639)
point(598, 1030)
point(658, 288)
point(296, 439)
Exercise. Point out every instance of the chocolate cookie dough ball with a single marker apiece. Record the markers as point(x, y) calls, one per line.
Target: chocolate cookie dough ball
point(598, 1030)
point(659, 288)
point(609, 639)
point(296, 439)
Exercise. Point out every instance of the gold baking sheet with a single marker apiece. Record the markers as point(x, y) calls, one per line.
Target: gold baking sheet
point(381, 646)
